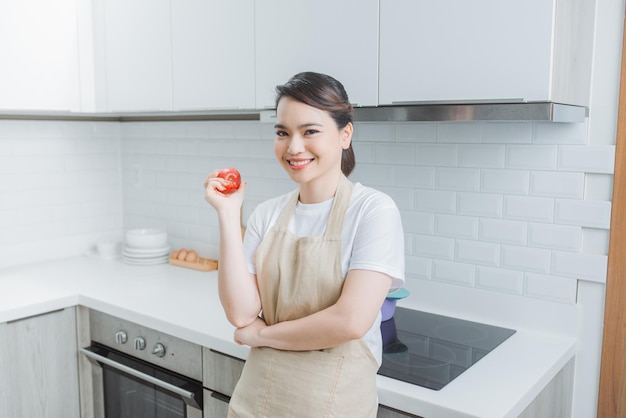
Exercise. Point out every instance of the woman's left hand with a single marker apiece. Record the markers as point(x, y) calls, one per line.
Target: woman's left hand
point(249, 335)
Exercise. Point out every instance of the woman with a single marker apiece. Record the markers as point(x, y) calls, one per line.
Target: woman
point(305, 287)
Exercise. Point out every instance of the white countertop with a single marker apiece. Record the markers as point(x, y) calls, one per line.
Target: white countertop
point(184, 303)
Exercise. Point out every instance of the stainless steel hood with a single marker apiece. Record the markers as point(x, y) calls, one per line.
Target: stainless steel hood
point(471, 112)
point(427, 112)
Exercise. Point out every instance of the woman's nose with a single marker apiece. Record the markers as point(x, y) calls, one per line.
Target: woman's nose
point(296, 145)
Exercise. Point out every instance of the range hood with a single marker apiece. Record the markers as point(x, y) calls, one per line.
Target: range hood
point(472, 112)
point(426, 112)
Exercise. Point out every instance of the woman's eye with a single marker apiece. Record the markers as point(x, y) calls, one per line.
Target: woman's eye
point(281, 133)
point(311, 132)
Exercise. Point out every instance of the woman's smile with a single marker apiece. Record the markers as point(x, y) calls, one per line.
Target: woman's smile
point(299, 163)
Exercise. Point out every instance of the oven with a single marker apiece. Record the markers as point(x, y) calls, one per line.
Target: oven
point(130, 371)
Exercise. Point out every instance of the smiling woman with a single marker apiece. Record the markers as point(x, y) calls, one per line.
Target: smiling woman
point(305, 287)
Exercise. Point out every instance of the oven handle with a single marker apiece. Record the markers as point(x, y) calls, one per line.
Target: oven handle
point(122, 367)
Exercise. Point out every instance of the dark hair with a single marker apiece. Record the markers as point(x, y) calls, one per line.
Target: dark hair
point(325, 93)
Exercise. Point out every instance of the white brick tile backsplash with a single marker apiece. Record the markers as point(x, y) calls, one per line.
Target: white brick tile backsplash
point(480, 155)
point(560, 133)
point(496, 205)
point(504, 231)
point(528, 208)
point(579, 266)
point(587, 158)
point(456, 226)
point(477, 252)
point(416, 132)
point(541, 286)
point(589, 213)
point(531, 157)
point(419, 267)
point(413, 176)
point(505, 181)
point(435, 201)
point(500, 280)
point(459, 132)
point(561, 237)
point(595, 241)
point(526, 259)
point(557, 184)
point(479, 204)
point(463, 179)
point(507, 133)
point(374, 132)
point(365, 152)
point(436, 155)
point(431, 246)
point(374, 175)
point(452, 272)
point(395, 153)
point(418, 222)
point(598, 186)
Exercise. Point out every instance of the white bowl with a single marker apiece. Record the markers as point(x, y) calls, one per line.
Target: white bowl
point(146, 238)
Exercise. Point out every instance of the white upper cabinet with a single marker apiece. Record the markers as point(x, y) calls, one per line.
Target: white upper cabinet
point(213, 54)
point(39, 50)
point(492, 50)
point(339, 38)
point(138, 55)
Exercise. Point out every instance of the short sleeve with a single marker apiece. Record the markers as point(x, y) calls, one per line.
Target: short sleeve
point(379, 242)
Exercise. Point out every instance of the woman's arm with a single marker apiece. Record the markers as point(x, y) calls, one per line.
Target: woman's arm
point(350, 318)
point(237, 288)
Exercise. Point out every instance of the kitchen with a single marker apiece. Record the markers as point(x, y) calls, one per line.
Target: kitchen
point(507, 222)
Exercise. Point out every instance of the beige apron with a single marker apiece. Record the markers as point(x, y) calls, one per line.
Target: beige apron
point(297, 277)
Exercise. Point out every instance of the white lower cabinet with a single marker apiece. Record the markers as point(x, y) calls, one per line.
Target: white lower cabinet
point(39, 367)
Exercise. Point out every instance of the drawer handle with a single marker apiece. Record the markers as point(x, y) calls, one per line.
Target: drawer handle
point(220, 397)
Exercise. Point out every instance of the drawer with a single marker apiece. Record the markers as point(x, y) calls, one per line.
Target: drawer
point(220, 372)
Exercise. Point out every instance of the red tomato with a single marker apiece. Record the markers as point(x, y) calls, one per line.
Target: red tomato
point(233, 178)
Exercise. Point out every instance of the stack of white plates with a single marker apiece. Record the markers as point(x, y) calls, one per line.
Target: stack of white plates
point(144, 247)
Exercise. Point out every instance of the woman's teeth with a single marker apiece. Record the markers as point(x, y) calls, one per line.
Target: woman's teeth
point(300, 162)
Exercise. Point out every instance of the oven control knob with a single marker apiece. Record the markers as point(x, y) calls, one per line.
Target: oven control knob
point(121, 337)
point(158, 350)
point(139, 343)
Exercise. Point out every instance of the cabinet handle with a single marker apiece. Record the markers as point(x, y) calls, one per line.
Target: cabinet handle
point(220, 397)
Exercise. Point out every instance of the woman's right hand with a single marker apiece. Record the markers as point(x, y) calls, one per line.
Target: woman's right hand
point(213, 187)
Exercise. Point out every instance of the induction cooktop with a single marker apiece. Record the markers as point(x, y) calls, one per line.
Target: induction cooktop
point(431, 350)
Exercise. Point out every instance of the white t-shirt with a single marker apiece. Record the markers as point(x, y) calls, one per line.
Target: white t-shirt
point(372, 237)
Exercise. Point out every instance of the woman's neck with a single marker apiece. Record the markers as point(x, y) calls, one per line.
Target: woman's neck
point(319, 190)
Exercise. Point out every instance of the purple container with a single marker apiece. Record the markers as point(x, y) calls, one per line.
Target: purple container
point(389, 305)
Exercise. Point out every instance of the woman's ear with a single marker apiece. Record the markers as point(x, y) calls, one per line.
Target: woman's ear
point(346, 135)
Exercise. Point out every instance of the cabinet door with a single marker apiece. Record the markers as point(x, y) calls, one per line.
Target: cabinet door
point(213, 54)
point(39, 366)
point(455, 50)
point(39, 50)
point(338, 38)
point(138, 55)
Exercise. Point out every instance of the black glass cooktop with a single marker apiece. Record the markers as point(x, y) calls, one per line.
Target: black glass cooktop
point(432, 350)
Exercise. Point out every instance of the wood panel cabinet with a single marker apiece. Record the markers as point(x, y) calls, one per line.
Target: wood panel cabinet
point(39, 366)
point(491, 50)
point(336, 38)
point(39, 50)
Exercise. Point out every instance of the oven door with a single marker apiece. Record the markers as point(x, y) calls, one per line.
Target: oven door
point(132, 388)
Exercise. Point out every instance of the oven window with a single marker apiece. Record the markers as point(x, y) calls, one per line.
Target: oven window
point(127, 396)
